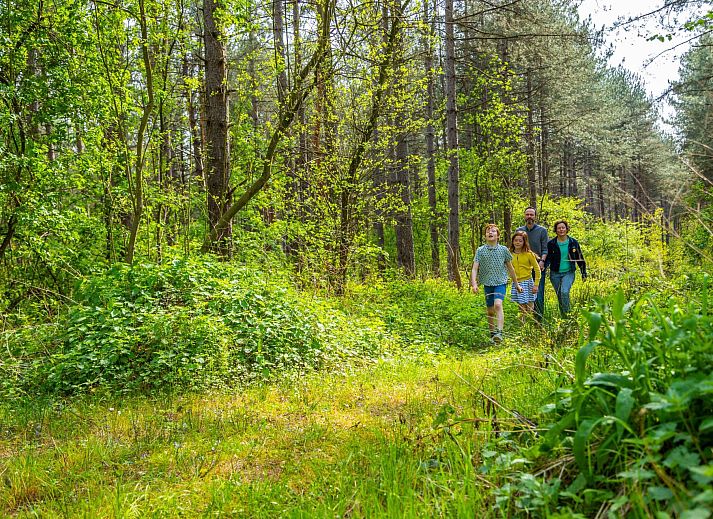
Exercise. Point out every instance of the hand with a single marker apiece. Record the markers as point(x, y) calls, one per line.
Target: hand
point(542, 265)
point(474, 288)
point(518, 287)
point(534, 289)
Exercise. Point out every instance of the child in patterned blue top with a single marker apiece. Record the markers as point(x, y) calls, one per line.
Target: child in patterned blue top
point(491, 265)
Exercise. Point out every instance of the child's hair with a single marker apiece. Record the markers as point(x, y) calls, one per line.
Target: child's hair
point(525, 241)
point(491, 226)
point(566, 225)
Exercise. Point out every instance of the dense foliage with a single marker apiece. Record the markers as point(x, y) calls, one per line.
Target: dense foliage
point(185, 324)
point(632, 430)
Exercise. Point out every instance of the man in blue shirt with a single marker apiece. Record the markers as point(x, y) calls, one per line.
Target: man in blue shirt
point(537, 237)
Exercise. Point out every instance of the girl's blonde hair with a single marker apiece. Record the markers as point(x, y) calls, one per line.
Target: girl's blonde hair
point(525, 241)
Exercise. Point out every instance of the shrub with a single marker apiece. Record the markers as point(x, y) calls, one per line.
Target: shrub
point(431, 314)
point(187, 324)
point(635, 429)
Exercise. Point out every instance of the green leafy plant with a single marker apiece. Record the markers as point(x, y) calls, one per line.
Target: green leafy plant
point(185, 324)
point(635, 429)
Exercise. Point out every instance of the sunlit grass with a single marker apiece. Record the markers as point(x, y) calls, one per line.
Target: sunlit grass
point(324, 445)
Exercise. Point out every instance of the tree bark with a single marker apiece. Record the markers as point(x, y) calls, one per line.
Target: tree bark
point(216, 125)
point(430, 143)
point(530, 141)
point(346, 222)
point(138, 191)
point(285, 117)
point(452, 151)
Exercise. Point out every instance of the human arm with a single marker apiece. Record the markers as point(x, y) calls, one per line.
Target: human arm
point(547, 256)
point(538, 273)
point(582, 264)
point(513, 276)
point(543, 247)
point(474, 277)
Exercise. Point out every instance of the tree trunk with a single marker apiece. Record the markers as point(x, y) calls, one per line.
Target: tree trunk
point(216, 124)
point(544, 151)
point(294, 208)
point(278, 28)
point(285, 117)
point(452, 150)
point(346, 221)
point(530, 141)
point(430, 144)
point(138, 179)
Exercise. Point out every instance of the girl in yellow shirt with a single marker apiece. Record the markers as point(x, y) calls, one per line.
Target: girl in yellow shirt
point(525, 263)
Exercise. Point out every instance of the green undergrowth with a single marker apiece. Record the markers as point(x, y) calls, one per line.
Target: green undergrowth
point(185, 325)
point(631, 431)
point(430, 313)
point(388, 403)
point(193, 324)
point(399, 438)
point(620, 428)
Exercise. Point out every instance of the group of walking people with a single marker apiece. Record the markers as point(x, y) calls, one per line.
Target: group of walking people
point(525, 262)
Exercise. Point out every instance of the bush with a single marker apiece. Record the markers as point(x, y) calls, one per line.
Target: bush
point(635, 429)
point(431, 314)
point(187, 324)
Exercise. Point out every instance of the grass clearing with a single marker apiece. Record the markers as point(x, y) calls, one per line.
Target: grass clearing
point(326, 444)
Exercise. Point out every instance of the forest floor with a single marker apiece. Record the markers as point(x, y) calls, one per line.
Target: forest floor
point(397, 439)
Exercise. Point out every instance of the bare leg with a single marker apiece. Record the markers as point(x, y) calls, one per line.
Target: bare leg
point(490, 310)
point(500, 316)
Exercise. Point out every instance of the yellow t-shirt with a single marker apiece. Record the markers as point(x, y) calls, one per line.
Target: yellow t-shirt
point(523, 264)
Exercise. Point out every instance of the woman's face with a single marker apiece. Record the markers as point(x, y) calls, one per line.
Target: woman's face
point(518, 242)
point(561, 229)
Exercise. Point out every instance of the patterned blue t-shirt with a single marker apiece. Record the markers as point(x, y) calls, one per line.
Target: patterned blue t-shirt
point(491, 269)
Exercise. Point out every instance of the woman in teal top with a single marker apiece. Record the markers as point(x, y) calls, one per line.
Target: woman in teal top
point(564, 255)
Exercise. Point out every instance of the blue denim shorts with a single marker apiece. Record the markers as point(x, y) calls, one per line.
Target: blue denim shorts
point(494, 292)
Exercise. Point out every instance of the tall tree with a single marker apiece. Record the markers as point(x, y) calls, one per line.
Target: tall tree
point(284, 117)
point(453, 243)
point(216, 123)
point(428, 39)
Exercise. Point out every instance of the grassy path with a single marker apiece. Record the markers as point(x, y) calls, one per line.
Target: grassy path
point(358, 444)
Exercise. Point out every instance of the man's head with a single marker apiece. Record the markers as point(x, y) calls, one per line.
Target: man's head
point(530, 215)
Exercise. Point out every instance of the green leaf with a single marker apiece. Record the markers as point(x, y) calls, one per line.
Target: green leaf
point(706, 425)
point(681, 457)
point(660, 493)
point(609, 379)
point(444, 414)
point(617, 308)
point(579, 483)
point(696, 513)
point(636, 474)
point(624, 404)
point(579, 445)
point(595, 320)
point(580, 362)
point(704, 473)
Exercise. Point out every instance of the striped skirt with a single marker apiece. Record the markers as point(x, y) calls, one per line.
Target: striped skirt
point(526, 296)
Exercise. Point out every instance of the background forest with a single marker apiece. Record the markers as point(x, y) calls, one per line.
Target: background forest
point(249, 227)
